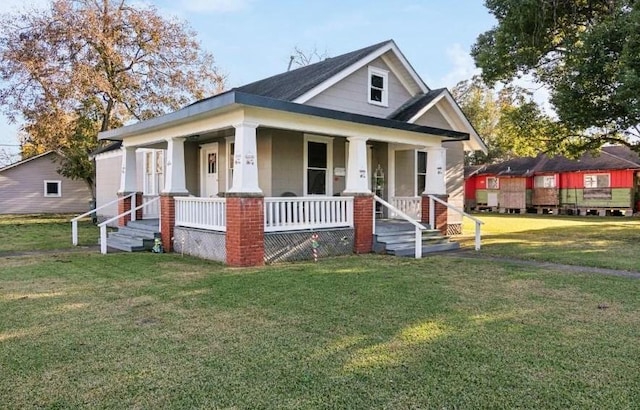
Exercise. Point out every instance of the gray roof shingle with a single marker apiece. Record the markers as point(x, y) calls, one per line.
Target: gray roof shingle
point(414, 105)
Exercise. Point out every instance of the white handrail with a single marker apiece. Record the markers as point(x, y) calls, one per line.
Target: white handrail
point(458, 210)
point(103, 225)
point(74, 221)
point(418, 226)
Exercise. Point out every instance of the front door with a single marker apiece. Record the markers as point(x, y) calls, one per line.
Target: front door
point(209, 186)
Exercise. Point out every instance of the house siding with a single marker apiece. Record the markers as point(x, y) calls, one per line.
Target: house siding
point(286, 171)
point(351, 94)
point(22, 189)
point(433, 118)
point(107, 183)
point(405, 173)
point(455, 179)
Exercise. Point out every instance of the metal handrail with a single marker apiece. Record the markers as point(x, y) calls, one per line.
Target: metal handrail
point(432, 217)
point(74, 221)
point(103, 225)
point(418, 226)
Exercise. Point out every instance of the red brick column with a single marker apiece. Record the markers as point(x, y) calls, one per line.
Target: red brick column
point(363, 223)
point(124, 205)
point(138, 203)
point(167, 221)
point(245, 229)
point(440, 213)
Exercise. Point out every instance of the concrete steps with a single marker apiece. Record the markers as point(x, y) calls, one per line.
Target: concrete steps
point(137, 236)
point(398, 238)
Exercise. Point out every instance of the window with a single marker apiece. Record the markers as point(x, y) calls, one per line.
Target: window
point(596, 181)
point(378, 87)
point(421, 172)
point(52, 188)
point(544, 181)
point(492, 183)
point(318, 163)
point(231, 151)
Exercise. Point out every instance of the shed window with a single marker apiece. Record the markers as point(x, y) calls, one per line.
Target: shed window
point(492, 183)
point(378, 86)
point(545, 181)
point(52, 188)
point(597, 181)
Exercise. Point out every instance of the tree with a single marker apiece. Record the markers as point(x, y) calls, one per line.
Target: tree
point(587, 52)
point(301, 58)
point(509, 120)
point(83, 66)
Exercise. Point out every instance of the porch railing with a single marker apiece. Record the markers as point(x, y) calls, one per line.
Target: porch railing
point(151, 210)
point(409, 205)
point(289, 214)
point(203, 213)
point(132, 212)
point(418, 226)
point(74, 221)
point(432, 217)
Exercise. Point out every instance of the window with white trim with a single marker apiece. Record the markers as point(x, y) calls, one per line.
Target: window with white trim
point(493, 183)
point(52, 189)
point(231, 150)
point(318, 163)
point(544, 181)
point(378, 87)
point(421, 172)
point(597, 181)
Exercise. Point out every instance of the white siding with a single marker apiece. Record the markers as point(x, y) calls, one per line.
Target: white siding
point(350, 94)
point(455, 178)
point(433, 118)
point(22, 189)
point(108, 170)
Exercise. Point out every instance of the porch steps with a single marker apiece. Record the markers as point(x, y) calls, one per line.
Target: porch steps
point(398, 238)
point(137, 236)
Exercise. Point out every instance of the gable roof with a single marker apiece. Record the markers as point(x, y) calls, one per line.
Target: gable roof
point(413, 106)
point(24, 161)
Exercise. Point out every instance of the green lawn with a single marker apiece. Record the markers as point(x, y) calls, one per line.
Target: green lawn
point(605, 242)
point(162, 331)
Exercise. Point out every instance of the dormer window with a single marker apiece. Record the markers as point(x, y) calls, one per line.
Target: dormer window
point(378, 86)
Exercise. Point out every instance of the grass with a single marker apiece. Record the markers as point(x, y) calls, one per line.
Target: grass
point(605, 242)
point(161, 331)
point(19, 233)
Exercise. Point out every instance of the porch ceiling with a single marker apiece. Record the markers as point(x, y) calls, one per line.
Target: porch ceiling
point(225, 110)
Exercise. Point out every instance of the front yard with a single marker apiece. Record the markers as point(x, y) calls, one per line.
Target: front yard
point(163, 331)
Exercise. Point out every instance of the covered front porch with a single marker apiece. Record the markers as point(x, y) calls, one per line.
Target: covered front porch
point(236, 184)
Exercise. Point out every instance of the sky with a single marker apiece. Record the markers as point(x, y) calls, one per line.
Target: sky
point(254, 39)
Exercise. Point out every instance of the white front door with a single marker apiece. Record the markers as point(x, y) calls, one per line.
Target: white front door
point(209, 186)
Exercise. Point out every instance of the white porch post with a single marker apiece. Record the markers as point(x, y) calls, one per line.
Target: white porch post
point(175, 182)
point(436, 171)
point(357, 172)
point(245, 161)
point(128, 177)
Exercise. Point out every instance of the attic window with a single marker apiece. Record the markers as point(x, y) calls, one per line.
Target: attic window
point(378, 86)
point(53, 189)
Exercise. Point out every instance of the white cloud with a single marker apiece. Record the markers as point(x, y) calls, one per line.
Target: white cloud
point(215, 6)
point(463, 67)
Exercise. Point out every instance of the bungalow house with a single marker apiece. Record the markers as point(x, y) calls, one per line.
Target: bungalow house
point(246, 175)
point(33, 186)
point(605, 184)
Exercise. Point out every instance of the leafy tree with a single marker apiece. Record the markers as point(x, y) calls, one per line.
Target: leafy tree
point(588, 54)
point(509, 120)
point(83, 66)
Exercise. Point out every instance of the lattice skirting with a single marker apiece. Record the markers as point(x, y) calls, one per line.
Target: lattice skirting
point(454, 229)
point(297, 246)
point(200, 243)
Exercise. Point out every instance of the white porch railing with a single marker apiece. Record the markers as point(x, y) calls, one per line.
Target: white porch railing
point(418, 226)
point(203, 213)
point(432, 217)
point(74, 221)
point(289, 214)
point(151, 209)
point(409, 205)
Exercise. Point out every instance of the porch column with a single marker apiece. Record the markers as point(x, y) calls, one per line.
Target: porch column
point(128, 184)
point(436, 185)
point(357, 185)
point(245, 202)
point(175, 185)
